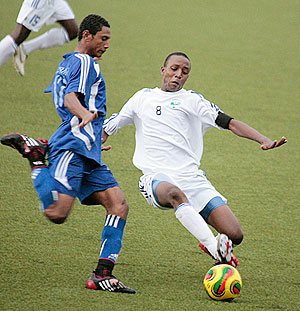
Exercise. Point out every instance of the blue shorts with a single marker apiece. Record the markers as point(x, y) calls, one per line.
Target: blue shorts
point(78, 176)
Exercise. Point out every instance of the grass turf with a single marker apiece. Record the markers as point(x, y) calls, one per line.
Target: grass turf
point(245, 59)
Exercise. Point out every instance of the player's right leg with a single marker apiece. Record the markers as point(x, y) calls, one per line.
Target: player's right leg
point(161, 191)
point(9, 44)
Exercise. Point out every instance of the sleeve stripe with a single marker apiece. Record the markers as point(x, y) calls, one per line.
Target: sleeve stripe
point(85, 66)
point(114, 115)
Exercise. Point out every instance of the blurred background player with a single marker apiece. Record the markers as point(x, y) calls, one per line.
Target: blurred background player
point(170, 124)
point(75, 167)
point(32, 16)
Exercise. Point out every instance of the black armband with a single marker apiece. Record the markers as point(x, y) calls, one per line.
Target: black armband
point(223, 120)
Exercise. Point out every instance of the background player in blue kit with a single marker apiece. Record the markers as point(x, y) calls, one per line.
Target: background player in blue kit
point(74, 150)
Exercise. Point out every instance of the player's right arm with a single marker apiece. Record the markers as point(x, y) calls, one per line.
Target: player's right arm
point(124, 117)
point(72, 103)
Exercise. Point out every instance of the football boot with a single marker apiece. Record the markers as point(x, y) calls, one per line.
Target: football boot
point(108, 283)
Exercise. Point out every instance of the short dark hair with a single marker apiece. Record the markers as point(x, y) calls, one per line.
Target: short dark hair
point(93, 23)
point(175, 53)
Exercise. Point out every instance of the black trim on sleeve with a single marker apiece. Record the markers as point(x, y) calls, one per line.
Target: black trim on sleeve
point(223, 120)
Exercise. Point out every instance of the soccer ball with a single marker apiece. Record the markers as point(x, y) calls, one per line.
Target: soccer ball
point(222, 282)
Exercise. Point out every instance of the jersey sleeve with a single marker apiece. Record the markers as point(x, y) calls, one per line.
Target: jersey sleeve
point(124, 117)
point(79, 72)
point(208, 113)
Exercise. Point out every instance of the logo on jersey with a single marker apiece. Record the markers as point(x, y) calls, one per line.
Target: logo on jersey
point(175, 103)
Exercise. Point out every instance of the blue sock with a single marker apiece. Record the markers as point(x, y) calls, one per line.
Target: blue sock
point(112, 235)
point(44, 185)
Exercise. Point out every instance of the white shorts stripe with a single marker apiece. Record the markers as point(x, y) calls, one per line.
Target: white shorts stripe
point(76, 132)
point(61, 169)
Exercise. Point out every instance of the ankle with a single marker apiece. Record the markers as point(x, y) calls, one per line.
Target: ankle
point(104, 268)
point(37, 158)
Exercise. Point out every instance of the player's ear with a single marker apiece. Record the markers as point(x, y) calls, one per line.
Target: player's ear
point(162, 69)
point(86, 35)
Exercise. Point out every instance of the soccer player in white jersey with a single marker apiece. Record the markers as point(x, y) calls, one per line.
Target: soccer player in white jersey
point(32, 16)
point(75, 168)
point(170, 123)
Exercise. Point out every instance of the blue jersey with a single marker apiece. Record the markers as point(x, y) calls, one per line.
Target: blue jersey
point(78, 73)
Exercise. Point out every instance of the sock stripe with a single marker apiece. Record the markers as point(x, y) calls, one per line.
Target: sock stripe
point(112, 221)
point(103, 244)
point(181, 205)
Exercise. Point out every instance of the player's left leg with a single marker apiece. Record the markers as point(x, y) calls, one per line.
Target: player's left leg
point(224, 221)
point(105, 191)
point(218, 215)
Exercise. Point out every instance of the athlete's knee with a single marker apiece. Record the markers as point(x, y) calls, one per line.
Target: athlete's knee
point(122, 208)
point(57, 213)
point(56, 218)
point(118, 207)
point(175, 196)
point(237, 236)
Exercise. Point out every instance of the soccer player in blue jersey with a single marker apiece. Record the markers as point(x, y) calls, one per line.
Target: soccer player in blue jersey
point(74, 151)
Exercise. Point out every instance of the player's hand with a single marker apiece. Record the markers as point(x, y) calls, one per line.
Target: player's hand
point(103, 140)
point(105, 148)
point(273, 144)
point(88, 117)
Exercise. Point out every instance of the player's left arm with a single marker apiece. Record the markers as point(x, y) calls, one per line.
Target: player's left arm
point(244, 130)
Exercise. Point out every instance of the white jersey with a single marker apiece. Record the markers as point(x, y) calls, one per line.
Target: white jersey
point(169, 129)
point(35, 13)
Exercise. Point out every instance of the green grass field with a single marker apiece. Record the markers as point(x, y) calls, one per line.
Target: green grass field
point(245, 58)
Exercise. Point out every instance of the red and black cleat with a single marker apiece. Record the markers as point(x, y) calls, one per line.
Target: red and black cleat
point(108, 283)
point(33, 149)
point(25, 144)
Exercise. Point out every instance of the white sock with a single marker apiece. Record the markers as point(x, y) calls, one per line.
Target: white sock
point(197, 226)
point(7, 49)
point(53, 37)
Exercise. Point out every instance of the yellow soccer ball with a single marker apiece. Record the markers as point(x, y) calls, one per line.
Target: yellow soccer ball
point(222, 282)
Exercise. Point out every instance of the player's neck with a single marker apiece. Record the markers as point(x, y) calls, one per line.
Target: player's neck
point(80, 48)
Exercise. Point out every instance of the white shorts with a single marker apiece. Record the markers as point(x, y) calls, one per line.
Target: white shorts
point(35, 13)
point(196, 187)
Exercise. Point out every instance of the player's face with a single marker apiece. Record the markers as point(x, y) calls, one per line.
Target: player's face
point(99, 43)
point(175, 73)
